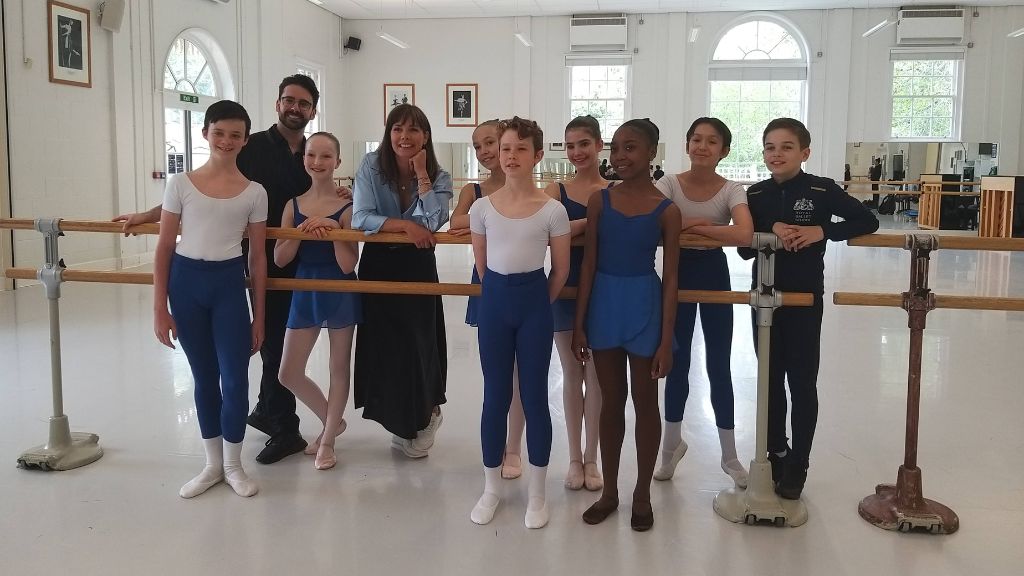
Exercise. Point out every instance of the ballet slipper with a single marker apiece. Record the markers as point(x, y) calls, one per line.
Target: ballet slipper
point(574, 477)
point(592, 477)
point(511, 469)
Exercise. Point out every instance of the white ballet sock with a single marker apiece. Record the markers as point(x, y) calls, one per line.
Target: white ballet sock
point(727, 438)
point(234, 475)
point(483, 512)
point(671, 438)
point(731, 464)
point(211, 475)
point(537, 507)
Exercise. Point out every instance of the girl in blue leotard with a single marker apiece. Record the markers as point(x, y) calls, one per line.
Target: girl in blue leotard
point(317, 211)
point(582, 405)
point(485, 143)
point(624, 313)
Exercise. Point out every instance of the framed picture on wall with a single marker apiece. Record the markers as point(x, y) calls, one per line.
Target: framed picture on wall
point(395, 94)
point(461, 104)
point(70, 42)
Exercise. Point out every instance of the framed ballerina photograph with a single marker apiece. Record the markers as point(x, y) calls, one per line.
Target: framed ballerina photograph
point(461, 104)
point(395, 94)
point(70, 42)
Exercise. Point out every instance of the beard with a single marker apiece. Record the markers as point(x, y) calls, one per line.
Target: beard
point(293, 120)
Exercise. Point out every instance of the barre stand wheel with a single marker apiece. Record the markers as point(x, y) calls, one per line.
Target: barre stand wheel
point(759, 504)
point(64, 450)
point(901, 507)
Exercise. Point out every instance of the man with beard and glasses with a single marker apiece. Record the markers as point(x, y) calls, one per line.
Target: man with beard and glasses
point(273, 158)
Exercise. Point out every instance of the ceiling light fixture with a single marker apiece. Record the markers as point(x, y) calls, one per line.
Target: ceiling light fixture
point(1016, 33)
point(878, 27)
point(694, 34)
point(522, 38)
point(317, 2)
point(389, 38)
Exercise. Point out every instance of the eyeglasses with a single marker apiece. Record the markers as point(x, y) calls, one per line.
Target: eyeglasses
point(304, 105)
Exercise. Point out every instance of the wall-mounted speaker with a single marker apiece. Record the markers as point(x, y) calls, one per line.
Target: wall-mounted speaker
point(353, 43)
point(112, 14)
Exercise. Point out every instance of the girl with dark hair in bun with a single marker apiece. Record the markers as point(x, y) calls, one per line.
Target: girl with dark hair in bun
point(623, 311)
point(582, 404)
point(715, 207)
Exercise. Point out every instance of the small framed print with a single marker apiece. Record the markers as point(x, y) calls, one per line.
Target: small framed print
point(396, 94)
point(461, 104)
point(556, 146)
point(70, 42)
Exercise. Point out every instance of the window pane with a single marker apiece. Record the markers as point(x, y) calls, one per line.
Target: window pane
point(725, 90)
point(920, 127)
point(598, 72)
point(617, 109)
point(176, 59)
point(580, 88)
point(787, 50)
point(194, 61)
point(169, 81)
point(921, 107)
point(580, 74)
point(616, 89)
point(942, 127)
point(205, 85)
point(757, 90)
point(599, 89)
point(578, 108)
point(617, 73)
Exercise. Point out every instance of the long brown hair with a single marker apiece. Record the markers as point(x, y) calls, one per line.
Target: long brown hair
point(387, 161)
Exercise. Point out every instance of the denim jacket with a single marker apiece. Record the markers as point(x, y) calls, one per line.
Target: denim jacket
point(375, 201)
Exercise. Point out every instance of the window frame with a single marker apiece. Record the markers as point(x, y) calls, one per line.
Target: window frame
point(763, 70)
point(574, 60)
point(957, 54)
point(302, 66)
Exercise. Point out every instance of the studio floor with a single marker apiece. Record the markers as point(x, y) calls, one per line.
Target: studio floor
point(381, 513)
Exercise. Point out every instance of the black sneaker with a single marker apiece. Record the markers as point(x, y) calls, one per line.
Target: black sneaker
point(280, 446)
point(792, 482)
point(259, 422)
point(778, 465)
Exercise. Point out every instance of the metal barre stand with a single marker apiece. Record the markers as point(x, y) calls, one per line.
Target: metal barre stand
point(903, 506)
point(759, 503)
point(64, 450)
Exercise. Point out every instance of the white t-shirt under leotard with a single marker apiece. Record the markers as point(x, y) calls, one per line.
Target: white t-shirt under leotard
point(717, 209)
point(212, 228)
point(517, 245)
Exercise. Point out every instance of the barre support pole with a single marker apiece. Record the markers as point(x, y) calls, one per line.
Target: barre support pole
point(903, 506)
point(63, 450)
point(759, 503)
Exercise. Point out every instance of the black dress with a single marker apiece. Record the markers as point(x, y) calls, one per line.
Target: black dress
point(401, 362)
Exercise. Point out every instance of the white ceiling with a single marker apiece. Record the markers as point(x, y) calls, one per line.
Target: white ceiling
point(401, 9)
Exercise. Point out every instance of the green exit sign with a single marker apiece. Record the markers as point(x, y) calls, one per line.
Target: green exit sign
point(189, 98)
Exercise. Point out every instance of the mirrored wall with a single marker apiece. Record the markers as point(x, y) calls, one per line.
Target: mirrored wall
point(906, 161)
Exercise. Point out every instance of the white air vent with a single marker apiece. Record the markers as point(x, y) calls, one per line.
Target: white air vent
point(930, 26)
point(597, 33)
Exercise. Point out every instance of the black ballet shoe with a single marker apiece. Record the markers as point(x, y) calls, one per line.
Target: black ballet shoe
point(643, 517)
point(600, 510)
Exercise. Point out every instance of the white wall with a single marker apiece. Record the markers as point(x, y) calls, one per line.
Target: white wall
point(89, 153)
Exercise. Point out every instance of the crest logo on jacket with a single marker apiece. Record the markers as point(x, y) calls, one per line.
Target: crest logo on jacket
point(803, 211)
point(804, 205)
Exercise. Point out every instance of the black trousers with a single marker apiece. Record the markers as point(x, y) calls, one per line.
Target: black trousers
point(276, 403)
point(794, 358)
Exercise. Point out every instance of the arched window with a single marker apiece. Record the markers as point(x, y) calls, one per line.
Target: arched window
point(758, 72)
point(196, 75)
point(188, 69)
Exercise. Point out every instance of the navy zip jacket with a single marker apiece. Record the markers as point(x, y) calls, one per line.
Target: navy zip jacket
point(805, 200)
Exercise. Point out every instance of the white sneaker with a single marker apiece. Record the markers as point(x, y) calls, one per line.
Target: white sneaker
point(425, 438)
point(406, 447)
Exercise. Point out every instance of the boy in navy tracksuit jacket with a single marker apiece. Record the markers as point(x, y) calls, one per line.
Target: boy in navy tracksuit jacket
point(798, 207)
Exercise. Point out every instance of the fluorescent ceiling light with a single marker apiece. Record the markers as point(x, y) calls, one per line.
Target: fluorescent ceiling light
point(317, 2)
point(694, 33)
point(874, 29)
point(522, 38)
point(1016, 33)
point(389, 38)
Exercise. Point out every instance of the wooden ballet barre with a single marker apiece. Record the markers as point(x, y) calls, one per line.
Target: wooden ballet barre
point(685, 240)
point(947, 302)
point(944, 242)
point(377, 287)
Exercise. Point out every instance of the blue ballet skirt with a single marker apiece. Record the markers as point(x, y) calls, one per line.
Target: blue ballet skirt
point(625, 302)
point(563, 311)
point(316, 261)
